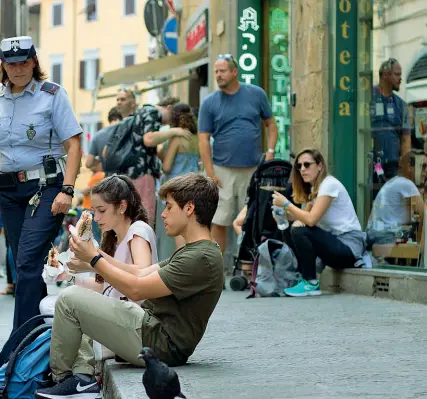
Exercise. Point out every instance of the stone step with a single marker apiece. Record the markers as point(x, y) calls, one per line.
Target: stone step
point(398, 284)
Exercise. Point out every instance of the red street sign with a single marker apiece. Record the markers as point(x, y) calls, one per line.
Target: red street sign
point(197, 35)
point(171, 5)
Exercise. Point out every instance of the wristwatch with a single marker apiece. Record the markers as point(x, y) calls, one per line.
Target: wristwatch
point(95, 259)
point(271, 150)
point(69, 190)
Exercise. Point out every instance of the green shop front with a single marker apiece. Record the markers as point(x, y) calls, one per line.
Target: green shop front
point(365, 42)
point(263, 55)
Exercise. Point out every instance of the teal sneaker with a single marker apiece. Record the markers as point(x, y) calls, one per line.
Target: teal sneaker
point(303, 288)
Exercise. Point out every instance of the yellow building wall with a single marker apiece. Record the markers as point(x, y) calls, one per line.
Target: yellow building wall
point(107, 34)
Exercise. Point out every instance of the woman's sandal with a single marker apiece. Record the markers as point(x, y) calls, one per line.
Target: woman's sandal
point(10, 290)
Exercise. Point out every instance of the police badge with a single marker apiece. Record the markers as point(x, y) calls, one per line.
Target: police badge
point(31, 132)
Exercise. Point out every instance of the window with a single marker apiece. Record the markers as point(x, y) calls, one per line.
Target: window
point(91, 123)
point(128, 55)
point(89, 70)
point(129, 7)
point(57, 14)
point(129, 60)
point(56, 63)
point(91, 10)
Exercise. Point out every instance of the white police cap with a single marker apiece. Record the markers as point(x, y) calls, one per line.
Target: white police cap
point(17, 49)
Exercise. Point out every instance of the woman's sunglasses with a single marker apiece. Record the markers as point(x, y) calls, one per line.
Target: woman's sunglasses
point(306, 165)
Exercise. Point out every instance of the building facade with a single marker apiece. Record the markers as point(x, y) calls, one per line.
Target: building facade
point(79, 39)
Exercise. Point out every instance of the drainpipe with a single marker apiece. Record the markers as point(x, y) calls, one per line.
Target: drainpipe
point(74, 55)
point(18, 17)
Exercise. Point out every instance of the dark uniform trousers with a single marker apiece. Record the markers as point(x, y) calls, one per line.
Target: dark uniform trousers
point(30, 238)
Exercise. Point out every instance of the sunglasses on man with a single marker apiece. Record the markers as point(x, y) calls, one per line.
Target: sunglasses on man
point(227, 57)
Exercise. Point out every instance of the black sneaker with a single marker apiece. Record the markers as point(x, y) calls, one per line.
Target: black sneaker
point(72, 387)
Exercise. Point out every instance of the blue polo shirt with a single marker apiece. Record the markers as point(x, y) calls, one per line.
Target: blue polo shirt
point(235, 124)
point(25, 123)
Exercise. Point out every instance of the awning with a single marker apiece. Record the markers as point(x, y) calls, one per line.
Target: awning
point(416, 91)
point(154, 87)
point(155, 69)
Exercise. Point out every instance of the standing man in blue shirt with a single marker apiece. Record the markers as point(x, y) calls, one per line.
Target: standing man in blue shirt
point(391, 132)
point(233, 116)
point(40, 157)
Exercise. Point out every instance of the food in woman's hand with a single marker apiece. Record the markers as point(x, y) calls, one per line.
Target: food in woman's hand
point(84, 226)
point(52, 257)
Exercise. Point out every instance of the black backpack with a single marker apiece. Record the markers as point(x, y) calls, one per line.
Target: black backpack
point(121, 153)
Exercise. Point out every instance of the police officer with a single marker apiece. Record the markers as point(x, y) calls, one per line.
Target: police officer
point(40, 157)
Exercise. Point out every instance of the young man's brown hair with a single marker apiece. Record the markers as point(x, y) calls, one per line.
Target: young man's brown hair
point(168, 101)
point(195, 188)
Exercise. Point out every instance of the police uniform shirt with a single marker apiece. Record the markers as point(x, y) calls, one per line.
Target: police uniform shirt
point(25, 123)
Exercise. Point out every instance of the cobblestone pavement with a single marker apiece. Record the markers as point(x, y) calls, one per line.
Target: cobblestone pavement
point(333, 346)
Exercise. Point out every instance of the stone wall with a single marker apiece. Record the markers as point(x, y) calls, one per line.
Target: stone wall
point(310, 74)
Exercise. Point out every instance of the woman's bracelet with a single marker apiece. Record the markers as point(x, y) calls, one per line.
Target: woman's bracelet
point(286, 204)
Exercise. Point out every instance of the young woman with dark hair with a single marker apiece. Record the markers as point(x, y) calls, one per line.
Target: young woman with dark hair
point(126, 236)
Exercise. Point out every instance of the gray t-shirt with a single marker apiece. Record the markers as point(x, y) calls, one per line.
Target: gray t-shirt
point(99, 141)
point(235, 124)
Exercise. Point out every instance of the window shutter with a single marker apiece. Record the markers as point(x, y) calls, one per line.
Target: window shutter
point(82, 74)
point(57, 14)
point(91, 10)
point(129, 7)
point(56, 73)
point(97, 69)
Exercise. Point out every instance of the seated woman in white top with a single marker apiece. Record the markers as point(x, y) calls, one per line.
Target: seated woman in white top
point(126, 236)
point(392, 207)
point(329, 230)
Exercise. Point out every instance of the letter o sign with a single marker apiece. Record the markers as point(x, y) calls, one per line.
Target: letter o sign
point(251, 58)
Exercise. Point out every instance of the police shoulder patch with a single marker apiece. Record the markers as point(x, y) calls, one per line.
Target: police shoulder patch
point(50, 87)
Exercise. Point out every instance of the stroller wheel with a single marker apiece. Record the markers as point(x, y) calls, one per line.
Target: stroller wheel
point(238, 283)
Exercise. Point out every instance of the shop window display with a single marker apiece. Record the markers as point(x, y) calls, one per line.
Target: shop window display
point(392, 128)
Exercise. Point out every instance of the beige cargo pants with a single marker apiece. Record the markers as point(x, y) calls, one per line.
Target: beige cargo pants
point(113, 323)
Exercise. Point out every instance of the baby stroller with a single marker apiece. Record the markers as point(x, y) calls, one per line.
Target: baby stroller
point(259, 223)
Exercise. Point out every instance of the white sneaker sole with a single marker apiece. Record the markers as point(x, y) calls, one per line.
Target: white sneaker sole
point(309, 293)
point(76, 396)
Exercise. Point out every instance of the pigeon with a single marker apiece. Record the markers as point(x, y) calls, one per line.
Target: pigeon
point(160, 382)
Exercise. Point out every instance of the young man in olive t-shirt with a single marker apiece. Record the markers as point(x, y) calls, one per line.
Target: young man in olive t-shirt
point(178, 294)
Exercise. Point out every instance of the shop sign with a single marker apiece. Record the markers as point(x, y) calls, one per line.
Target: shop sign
point(249, 41)
point(198, 34)
point(279, 79)
point(345, 106)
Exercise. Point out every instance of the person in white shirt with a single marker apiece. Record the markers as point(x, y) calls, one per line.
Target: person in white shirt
point(329, 230)
point(127, 240)
point(392, 207)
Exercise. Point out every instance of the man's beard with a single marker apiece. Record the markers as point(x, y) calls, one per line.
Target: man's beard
point(223, 84)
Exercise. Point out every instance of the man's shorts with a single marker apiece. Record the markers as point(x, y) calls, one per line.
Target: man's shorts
point(235, 183)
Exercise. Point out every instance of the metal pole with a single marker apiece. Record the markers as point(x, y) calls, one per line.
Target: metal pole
point(18, 17)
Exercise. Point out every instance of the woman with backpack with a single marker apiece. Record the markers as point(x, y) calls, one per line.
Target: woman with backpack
point(329, 230)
